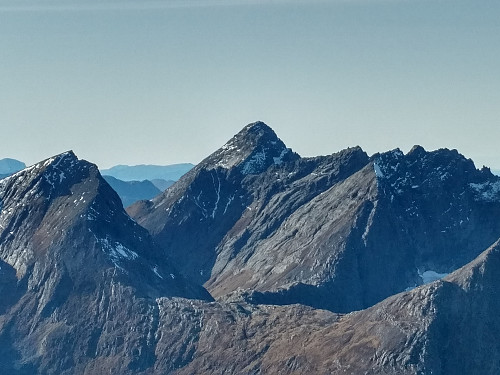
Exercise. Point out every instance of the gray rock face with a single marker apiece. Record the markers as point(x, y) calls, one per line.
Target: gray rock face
point(71, 260)
point(60, 216)
point(210, 198)
point(85, 290)
point(339, 232)
point(447, 327)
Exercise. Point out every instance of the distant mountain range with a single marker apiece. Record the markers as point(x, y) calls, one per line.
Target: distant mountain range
point(143, 182)
point(257, 261)
point(161, 184)
point(129, 190)
point(148, 172)
point(10, 166)
point(132, 191)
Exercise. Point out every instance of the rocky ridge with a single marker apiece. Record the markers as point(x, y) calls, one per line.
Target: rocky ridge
point(70, 260)
point(440, 328)
point(61, 211)
point(209, 199)
point(329, 232)
point(445, 327)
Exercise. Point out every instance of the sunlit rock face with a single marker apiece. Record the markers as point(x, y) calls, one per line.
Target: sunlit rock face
point(73, 265)
point(85, 289)
point(256, 222)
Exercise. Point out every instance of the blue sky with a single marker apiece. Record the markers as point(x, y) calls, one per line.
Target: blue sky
point(170, 81)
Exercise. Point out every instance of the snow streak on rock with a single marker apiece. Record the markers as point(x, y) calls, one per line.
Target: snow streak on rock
point(487, 191)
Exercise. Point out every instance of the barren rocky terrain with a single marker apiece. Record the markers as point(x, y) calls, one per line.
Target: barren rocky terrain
point(257, 261)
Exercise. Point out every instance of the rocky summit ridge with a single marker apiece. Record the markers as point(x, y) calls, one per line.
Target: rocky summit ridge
point(253, 150)
point(318, 265)
point(340, 232)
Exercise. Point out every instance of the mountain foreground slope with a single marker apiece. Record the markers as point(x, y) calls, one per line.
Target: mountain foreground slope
point(71, 259)
point(447, 327)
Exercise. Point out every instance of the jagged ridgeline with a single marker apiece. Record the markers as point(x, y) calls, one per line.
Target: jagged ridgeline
point(256, 222)
point(285, 244)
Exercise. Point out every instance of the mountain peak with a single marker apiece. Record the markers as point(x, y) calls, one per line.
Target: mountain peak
point(258, 127)
point(61, 211)
point(443, 162)
point(483, 269)
point(49, 178)
point(417, 150)
point(254, 149)
point(67, 155)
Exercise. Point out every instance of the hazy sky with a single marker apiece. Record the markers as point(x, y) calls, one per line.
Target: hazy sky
point(166, 81)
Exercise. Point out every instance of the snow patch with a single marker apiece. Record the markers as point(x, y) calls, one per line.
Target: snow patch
point(217, 192)
point(369, 222)
point(116, 250)
point(228, 157)
point(378, 171)
point(279, 160)
point(487, 191)
point(231, 198)
point(445, 176)
point(429, 276)
point(49, 161)
point(256, 162)
point(155, 270)
point(201, 205)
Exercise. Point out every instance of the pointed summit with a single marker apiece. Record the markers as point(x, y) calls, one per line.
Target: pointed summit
point(43, 181)
point(417, 150)
point(258, 127)
point(214, 194)
point(61, 211)
point(254, 149)
point(65, 157)
point(485, 269)
point(42, 202)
